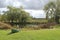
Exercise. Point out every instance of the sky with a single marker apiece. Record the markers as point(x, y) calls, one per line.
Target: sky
point(34, 7)
point(36, 13)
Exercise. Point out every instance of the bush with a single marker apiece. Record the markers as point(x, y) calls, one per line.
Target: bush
point(14, 31)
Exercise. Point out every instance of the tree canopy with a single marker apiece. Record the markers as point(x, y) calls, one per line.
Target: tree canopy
point(52, 10)
point(15, 14)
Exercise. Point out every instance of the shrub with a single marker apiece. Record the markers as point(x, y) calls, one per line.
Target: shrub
point(48, 25)
point(14, 30)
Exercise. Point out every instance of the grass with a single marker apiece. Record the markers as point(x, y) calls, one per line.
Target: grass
point(39, 21)
point(52, 34)
point(57, 26)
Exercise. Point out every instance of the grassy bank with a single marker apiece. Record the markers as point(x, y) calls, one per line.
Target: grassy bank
point(52, 34)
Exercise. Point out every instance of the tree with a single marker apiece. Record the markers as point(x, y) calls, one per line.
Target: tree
point(11, 14)
point(16, 14)
point(52, 10)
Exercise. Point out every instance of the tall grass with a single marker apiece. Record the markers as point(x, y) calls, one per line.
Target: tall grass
point(5, 26)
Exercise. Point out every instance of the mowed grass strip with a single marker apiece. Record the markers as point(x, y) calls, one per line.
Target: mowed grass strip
point(47, 34)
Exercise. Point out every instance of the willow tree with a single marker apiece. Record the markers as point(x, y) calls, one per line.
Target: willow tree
point(52, 10)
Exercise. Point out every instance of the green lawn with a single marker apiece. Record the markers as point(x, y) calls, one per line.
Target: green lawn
point(52, 34)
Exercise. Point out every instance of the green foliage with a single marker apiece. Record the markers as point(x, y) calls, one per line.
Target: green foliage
point(57, 19)
point(15, 14)
point(52, 10)
point(14, 31)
